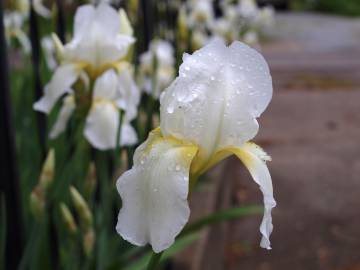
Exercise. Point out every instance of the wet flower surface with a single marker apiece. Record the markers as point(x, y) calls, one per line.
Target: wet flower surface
point(207, 114)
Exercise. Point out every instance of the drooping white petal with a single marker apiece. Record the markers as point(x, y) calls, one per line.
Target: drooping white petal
point(106, 85)
point(41, 9)
point(102, 125)
point(154, 192)
point(63, 117)
point(60, 83)
point(254, 158)
point(128, 95)
point(217, 97)
point(128, 135)
point(97, 40)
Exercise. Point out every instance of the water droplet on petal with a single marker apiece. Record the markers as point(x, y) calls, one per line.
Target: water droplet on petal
point(170, 109)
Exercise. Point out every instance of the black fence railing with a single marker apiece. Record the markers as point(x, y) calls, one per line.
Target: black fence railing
point(9, 184)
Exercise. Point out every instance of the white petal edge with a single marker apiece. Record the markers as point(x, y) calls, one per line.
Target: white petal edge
point(101, 125)
point(106, 85)
point(128, 135)
point(254, 159)
point(63, 117)
point(154, 192)
point(60, 83)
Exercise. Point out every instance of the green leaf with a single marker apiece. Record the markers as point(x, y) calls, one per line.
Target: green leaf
point(220, 216)
point(179, 245)
point(2, 231)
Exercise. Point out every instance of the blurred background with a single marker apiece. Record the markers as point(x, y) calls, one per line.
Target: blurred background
point(311, 129)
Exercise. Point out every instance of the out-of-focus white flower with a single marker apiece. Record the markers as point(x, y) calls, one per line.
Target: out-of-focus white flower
point(13, 23)
point(207, 114)
point(111, 93)
point(251, 38)
point(157, 67)
point(248, 9)
point(22, 6)
point(265, 17)
point(41, 9)
point(97, 2)
point(198, 39)
point(97, 45)
point(223, 27)
point(201, 13)
point(48, 47)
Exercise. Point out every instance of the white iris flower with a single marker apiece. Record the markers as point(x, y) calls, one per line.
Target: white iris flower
point(157, 67)
point(111, 93)
point(101, 41)
point(207, 114)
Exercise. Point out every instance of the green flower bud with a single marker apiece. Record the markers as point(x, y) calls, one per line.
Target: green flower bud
point(82, 208)
point(68, 218)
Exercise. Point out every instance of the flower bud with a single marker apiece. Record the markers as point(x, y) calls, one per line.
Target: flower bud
point(37, 203)
point(82, 208)
point(183, 32)
point(125, 25)
point(90, 180)
point(68, 218)
point(48, 170)
point(88, 241)
point(59, 48)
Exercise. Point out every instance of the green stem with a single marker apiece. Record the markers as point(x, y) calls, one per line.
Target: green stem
point(118, 138)
point(154, 261)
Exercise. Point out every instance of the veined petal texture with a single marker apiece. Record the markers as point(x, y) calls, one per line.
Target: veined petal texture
point(97, 37)
point(215, 100)
point(154, 192)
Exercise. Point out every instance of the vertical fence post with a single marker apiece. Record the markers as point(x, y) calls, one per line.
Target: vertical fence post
point(35, 58)
point(60, 21)
point(9, 177)
point(147, 12)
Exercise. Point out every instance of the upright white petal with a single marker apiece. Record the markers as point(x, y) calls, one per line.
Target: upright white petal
point(83, 18)
point(106, 86)
point(63, 117)
point(154, 192)
point(102, 125)
point(125, 25)
point(97, 39)
point(217, 97)
point(128, 95)
point(128, 135)
point(60, 83)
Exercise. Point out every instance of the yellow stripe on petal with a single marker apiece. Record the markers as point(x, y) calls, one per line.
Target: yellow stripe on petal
point(254, 159)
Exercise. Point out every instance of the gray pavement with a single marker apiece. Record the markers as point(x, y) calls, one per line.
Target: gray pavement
point(312, 131)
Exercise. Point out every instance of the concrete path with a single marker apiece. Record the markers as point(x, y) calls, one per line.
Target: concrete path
point(312, 131)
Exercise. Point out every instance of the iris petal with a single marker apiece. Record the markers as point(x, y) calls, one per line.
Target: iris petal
point(154, 192)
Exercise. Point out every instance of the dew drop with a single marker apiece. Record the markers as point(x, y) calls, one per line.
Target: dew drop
point(170, 109)
point(212, 78)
